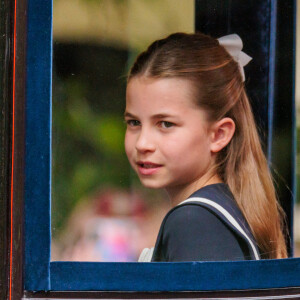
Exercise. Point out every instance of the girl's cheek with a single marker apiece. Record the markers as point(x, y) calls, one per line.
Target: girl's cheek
point(128, 144)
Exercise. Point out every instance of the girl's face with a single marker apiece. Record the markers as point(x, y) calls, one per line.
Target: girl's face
point(167, 138)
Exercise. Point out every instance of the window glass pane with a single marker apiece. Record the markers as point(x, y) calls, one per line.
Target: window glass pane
point(99, 210)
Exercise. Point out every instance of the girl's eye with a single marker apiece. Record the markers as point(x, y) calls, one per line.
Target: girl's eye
point(166, 124)
point(133, 123)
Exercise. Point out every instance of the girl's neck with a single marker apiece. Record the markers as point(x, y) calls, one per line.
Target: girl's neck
point(178, 194)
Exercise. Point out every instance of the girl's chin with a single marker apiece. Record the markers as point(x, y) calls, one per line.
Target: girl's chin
point(151, 184)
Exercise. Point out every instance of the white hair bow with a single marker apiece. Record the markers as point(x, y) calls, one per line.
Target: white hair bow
point(234, 45)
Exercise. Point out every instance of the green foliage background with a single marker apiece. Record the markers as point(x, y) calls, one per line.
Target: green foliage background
point(88, 129)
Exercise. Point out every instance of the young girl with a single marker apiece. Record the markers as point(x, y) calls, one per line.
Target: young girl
point(190, 130)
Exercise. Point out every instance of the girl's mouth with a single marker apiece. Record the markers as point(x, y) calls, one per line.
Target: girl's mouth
point(148, 168)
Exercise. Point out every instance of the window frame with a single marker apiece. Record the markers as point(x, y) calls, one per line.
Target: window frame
point(43, 275)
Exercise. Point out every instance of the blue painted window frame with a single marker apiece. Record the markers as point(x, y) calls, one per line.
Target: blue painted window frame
point(42, 274)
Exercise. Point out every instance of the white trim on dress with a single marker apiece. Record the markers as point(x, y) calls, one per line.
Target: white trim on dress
point(229, 218)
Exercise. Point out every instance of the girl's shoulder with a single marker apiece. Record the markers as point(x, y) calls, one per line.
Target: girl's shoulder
point(218, 194)
point(196, 222)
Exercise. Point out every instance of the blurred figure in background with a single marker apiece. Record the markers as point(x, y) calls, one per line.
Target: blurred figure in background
point(114, 225)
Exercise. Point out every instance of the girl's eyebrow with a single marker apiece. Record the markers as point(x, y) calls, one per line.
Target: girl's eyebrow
point(157, 116)
point(161, 116)
point(129, 115)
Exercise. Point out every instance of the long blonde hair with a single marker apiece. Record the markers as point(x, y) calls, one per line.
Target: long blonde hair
point(219, 90)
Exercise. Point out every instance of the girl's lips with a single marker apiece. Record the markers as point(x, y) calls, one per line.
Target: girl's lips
point(147, 168)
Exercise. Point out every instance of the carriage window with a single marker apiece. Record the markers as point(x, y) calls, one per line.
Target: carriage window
point(92, 217)
point(99, 210)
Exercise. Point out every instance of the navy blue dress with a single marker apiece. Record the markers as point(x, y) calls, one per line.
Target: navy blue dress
point(213, 230)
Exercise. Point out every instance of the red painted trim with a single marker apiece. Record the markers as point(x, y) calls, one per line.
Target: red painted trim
point(12, 155)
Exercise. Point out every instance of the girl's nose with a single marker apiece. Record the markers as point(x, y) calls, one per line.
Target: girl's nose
point(145, 142)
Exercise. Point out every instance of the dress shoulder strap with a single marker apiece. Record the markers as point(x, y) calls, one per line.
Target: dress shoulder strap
point(226, 215)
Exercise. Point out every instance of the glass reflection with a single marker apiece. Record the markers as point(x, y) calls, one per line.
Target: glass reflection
point(99, 211)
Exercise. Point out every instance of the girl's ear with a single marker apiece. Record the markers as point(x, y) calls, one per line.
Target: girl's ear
point(222, 133)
